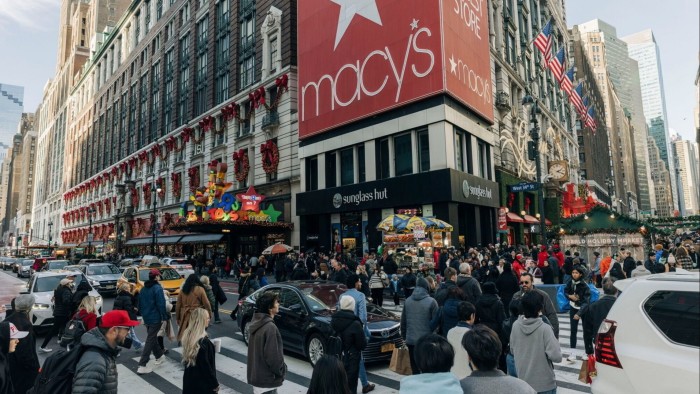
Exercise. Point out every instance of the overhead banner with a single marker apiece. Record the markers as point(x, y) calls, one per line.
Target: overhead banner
point(362, 57)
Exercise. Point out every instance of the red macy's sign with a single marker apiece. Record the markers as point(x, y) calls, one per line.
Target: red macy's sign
point(362, 57)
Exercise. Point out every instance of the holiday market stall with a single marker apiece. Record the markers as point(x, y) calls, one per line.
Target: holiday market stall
point(605, 231)
point(412, 238)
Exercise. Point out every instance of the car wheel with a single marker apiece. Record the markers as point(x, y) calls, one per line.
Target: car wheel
point(245, 331)
point(315, 348)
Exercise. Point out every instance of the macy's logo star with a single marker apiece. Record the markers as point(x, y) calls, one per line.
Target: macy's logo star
point(348, 10)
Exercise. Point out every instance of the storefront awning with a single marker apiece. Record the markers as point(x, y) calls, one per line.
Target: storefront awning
point(547, 222)
point(168, 239)
point(513, 218)
point(138, 241)
point(531, 219)
point(65, 246)
point(201, 238)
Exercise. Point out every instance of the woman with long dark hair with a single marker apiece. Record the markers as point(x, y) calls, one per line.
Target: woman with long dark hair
point(329, 377)
point(507, 285)
point(192, 296)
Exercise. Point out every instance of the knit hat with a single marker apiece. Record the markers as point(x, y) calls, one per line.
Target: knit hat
point(154, 273)
point(24, 302)
point(421, 282)
point(347, 303)
point(489, 288)
point(64, 282)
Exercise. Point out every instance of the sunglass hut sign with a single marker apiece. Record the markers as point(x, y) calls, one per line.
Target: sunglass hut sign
point(362, 57)
point(358, 198)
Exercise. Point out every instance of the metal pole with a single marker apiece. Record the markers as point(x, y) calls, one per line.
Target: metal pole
point(153, 224)
point(538, 167)
point(50, 224)
point(89, 231)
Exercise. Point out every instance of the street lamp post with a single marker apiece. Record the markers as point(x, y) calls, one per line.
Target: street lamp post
point(154, 192)
point(91, 211)
point(528, 100)
point(50, 224)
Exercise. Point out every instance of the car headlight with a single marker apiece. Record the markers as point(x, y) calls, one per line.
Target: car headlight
point(41, 306)
point(94, 283)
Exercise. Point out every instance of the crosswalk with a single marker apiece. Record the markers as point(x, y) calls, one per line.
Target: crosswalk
point(231, 370)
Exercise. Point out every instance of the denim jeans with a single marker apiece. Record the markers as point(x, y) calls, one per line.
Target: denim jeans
point(137, 342)
point(553, 391)
point(510, 363)
point(363, 373)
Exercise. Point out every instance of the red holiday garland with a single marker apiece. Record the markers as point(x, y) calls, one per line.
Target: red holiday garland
point(147, 194)
point(176, 178)
point(241, 165)
point(134, 197)
point(160, 184)
point(193, 173)
point(270, 156)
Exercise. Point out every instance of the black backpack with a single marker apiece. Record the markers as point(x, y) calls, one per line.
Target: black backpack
point(334, 346)
point(56, 375)
point(75, 328)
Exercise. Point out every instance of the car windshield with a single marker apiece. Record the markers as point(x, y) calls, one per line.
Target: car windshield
point(27, 262)
point(102, 270)
point(57, 265)
point(50, 283)
point(322, 298)
point(165, 274)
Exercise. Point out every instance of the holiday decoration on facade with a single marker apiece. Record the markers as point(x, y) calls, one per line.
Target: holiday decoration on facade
point(160, 184)
point(176, 179)
point(241, 165)
point(206, 124)
point(193, 173)
point(134, 197)
point(270, 156)
point(146, 194)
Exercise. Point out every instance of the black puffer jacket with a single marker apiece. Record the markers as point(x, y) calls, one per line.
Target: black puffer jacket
point(470, 287)
point(96, 371)
point(583, 292)
point(489, 311)
point(5, 376)
point(63, 301)
point(349, 329)
point(125, 301)
point(24, 363)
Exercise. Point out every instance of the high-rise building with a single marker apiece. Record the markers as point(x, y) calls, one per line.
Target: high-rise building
point(660, 176)
point(11, 107)
point(643, 48)
point(688, 176)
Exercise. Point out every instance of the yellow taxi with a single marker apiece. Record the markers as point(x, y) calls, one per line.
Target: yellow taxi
point(170, 279)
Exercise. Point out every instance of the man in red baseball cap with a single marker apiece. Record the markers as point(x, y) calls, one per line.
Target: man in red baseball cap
point(96, 371)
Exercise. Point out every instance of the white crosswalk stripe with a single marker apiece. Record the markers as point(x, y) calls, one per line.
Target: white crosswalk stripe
point(231, 368)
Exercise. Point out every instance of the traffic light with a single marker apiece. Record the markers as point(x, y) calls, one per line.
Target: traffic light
point(531, 150)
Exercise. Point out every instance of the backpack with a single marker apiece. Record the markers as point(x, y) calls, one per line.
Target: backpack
point(56, 375)
point(75, 328)
point(334, 346)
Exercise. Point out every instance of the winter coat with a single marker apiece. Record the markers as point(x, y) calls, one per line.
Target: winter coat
point(89, 319)
point(490, 312)
point(201, 377)
point(583, 292)
point(186, 303)
point(96, 371)
point(300, 273)
point(266, 367)
point(349, 328)
point(548, 310)
point(210, 295)
point(594, 315)
point(616, 271)
point(152, 303)
point(449, 315)
point(219, 293)
point(547, 275)
point(125, 301)
point(24, 362)
point(418, 317)
point(82, 291)
point(429, 383)
point(460, 367)
point(494, 382)
point(470, 287)
point(6, 386)
point(443, 292)
point(408, 281)
point(507, 285)
point(63, 301)
point(535, 348)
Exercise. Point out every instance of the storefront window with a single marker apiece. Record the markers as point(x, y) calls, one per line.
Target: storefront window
point(330, 170)
point(403, 154)
point(361, 173)
point(459, 159)
point(347, 168)
point(383, 159)
point(484, 153)
point(423, 151)
point(312, 173)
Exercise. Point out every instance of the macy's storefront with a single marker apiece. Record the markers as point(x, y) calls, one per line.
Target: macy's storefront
point(345, 218)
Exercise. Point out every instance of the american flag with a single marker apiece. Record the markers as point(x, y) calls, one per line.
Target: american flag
point(585, 101)
point(543, 42)
point(557, 63)
point(576, 99)
point(590, 119)
point(566, 84)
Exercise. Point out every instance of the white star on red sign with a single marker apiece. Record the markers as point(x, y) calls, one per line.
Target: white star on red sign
point(414, 24)
point(348, 10)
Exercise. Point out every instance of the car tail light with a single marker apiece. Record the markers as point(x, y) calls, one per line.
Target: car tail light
point(605, 344)
point(188, 267)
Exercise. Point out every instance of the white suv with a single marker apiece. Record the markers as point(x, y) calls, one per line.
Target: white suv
point(650, 340)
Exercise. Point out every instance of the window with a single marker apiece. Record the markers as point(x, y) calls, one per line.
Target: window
point(222, 53)
point(383, 170)
point(347, 167)
point(202, 60)
point(273, 54)
point(361, 172)
point(676, 315)
point(459, 155)
point(144, 138)
point(159, 9)
point(137, 30)
point(169, 91)
point(311, 173)
point(484, 159)
point(182, 115)
point(246, 58)
point(423, 151)
point(155, 100)
point(511, 54)
point(147, 21)
point(246, 114)
point(330, 170)
point(403, 155)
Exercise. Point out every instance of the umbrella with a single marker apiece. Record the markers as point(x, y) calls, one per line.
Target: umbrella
point(427, 223)
point(392, 222)
point(279, 247)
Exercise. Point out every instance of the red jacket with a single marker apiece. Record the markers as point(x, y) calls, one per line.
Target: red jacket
point(517, 268)
point(89, 319)
point(560, 257)
point(541, 258)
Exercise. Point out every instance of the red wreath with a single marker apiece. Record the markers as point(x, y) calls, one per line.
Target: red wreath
point(270, 156)
point(186, 134)
point(147, 194)
point(201, 136)
point(108, 205)
point(134, 197)
point(193, 173)
point(241, 165)
point(176, 178)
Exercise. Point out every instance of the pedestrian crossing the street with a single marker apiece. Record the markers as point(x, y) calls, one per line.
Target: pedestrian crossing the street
point(231, 370)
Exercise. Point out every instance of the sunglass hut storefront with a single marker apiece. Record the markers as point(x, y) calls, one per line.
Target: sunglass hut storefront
point(345, 218)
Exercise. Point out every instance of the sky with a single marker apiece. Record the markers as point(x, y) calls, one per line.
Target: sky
point(676, 27)
point(29, 36)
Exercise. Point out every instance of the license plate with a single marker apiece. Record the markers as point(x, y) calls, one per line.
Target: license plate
point(387, 347)
point(109, 287)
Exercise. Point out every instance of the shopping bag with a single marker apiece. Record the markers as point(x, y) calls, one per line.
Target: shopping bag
point(401, 361)
point(562, 300)
point(583, 373)
point(592, 372)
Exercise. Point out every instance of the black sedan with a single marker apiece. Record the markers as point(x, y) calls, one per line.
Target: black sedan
point(304, 319)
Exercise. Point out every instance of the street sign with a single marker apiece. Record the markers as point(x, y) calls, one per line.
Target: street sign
point(524, 187)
